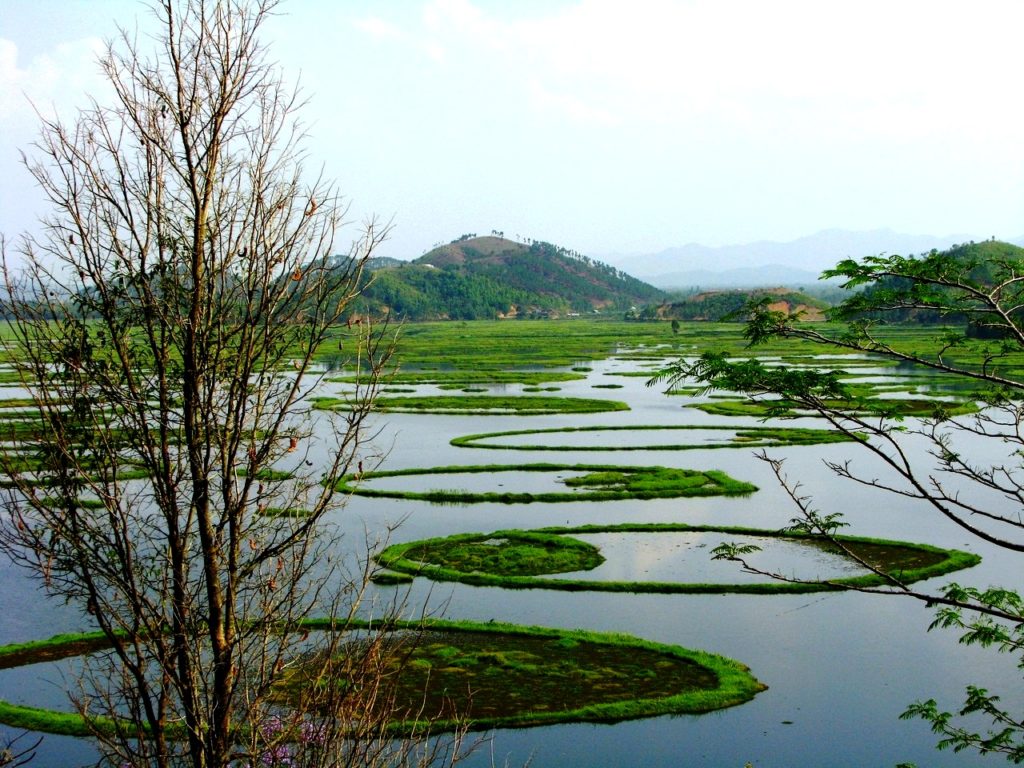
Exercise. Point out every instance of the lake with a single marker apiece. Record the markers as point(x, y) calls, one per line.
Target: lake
point(840, 667)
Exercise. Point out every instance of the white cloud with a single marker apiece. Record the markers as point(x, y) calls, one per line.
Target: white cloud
point(380, 29)
point(873, 67)
point(53, 82)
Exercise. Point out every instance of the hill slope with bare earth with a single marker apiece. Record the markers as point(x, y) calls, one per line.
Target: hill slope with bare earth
point(493, 277)
point(724, 305)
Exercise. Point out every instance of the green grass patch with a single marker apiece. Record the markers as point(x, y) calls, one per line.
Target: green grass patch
point(459, 378)
point(499, 675)
point(597, 483)
point(732, 437)
point(479, 405)
point(519, 676)
point(887, 407)
point(285, 512)
point(439, 560)
point(267, 474)
point(509, 553)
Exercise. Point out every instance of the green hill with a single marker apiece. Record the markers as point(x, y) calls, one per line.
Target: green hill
point(492, 277)
point(723, 305)
point(975, 265)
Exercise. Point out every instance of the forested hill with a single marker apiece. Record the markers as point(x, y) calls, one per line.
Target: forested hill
point(492, 277)
point(979, 265)
point(720, 305)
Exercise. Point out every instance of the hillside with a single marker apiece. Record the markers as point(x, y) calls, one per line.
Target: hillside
point(492, 277)
point(722, 305)
point(980, 265)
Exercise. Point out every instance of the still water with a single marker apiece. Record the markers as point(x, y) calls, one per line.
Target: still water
point(840, 667)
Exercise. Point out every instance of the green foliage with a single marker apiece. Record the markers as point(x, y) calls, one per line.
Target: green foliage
point(484, 278)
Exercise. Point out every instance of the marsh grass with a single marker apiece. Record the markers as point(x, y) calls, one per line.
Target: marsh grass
point(887, 407)
point(498, 675)
point(742, 437)
point(518, 676)
point(480, 405)
point(440, 560)
point(598, 483)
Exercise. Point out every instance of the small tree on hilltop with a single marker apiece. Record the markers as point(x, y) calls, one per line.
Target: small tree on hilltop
point(977, 293)
point(174, 486)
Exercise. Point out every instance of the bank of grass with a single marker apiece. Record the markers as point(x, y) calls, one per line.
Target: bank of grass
point(895, 408)
point(600, 482)
point(440, 559)
point(447, 348)
point(508, 553)
point(492, 675)
point(55, 648)
point(481, 405)
point(293, 512)
point(460, 378)
point(742, 437)
point(519, 675)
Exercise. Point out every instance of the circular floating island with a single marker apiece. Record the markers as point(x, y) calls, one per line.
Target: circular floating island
point(480, 405)
point(501, 675)
point(581, 482)
point(550, 558)
point(476, 675)
point(702, 437)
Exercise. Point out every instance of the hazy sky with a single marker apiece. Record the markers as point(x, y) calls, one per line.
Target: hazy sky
point(612, 126)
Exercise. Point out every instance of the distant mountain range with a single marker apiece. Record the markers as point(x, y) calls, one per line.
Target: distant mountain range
point(492, 277)
point(769, 263)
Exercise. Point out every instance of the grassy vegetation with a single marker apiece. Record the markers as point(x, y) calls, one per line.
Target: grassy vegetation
point(285, 512)
point(889, 407)
point(498, 675)
point(519, 676)
point(733, 437)
point(599, 483)
point(510, 553)
point(440, 560)
point(267, 474)
point(481, 405)
point(457, 378)
point(455, 348)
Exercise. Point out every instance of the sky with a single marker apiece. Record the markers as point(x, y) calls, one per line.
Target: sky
point(605, 126)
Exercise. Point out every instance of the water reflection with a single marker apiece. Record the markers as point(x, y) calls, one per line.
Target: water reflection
point(686, 558)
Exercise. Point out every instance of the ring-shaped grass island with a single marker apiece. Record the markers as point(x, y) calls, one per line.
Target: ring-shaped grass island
point(520, 559)
point(731, 437)
point(591, 482)
point(475, 675)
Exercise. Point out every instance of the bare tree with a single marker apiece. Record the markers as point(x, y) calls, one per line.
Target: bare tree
point(166, 323)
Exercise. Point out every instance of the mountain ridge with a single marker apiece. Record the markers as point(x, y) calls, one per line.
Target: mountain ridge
point(772, 262)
